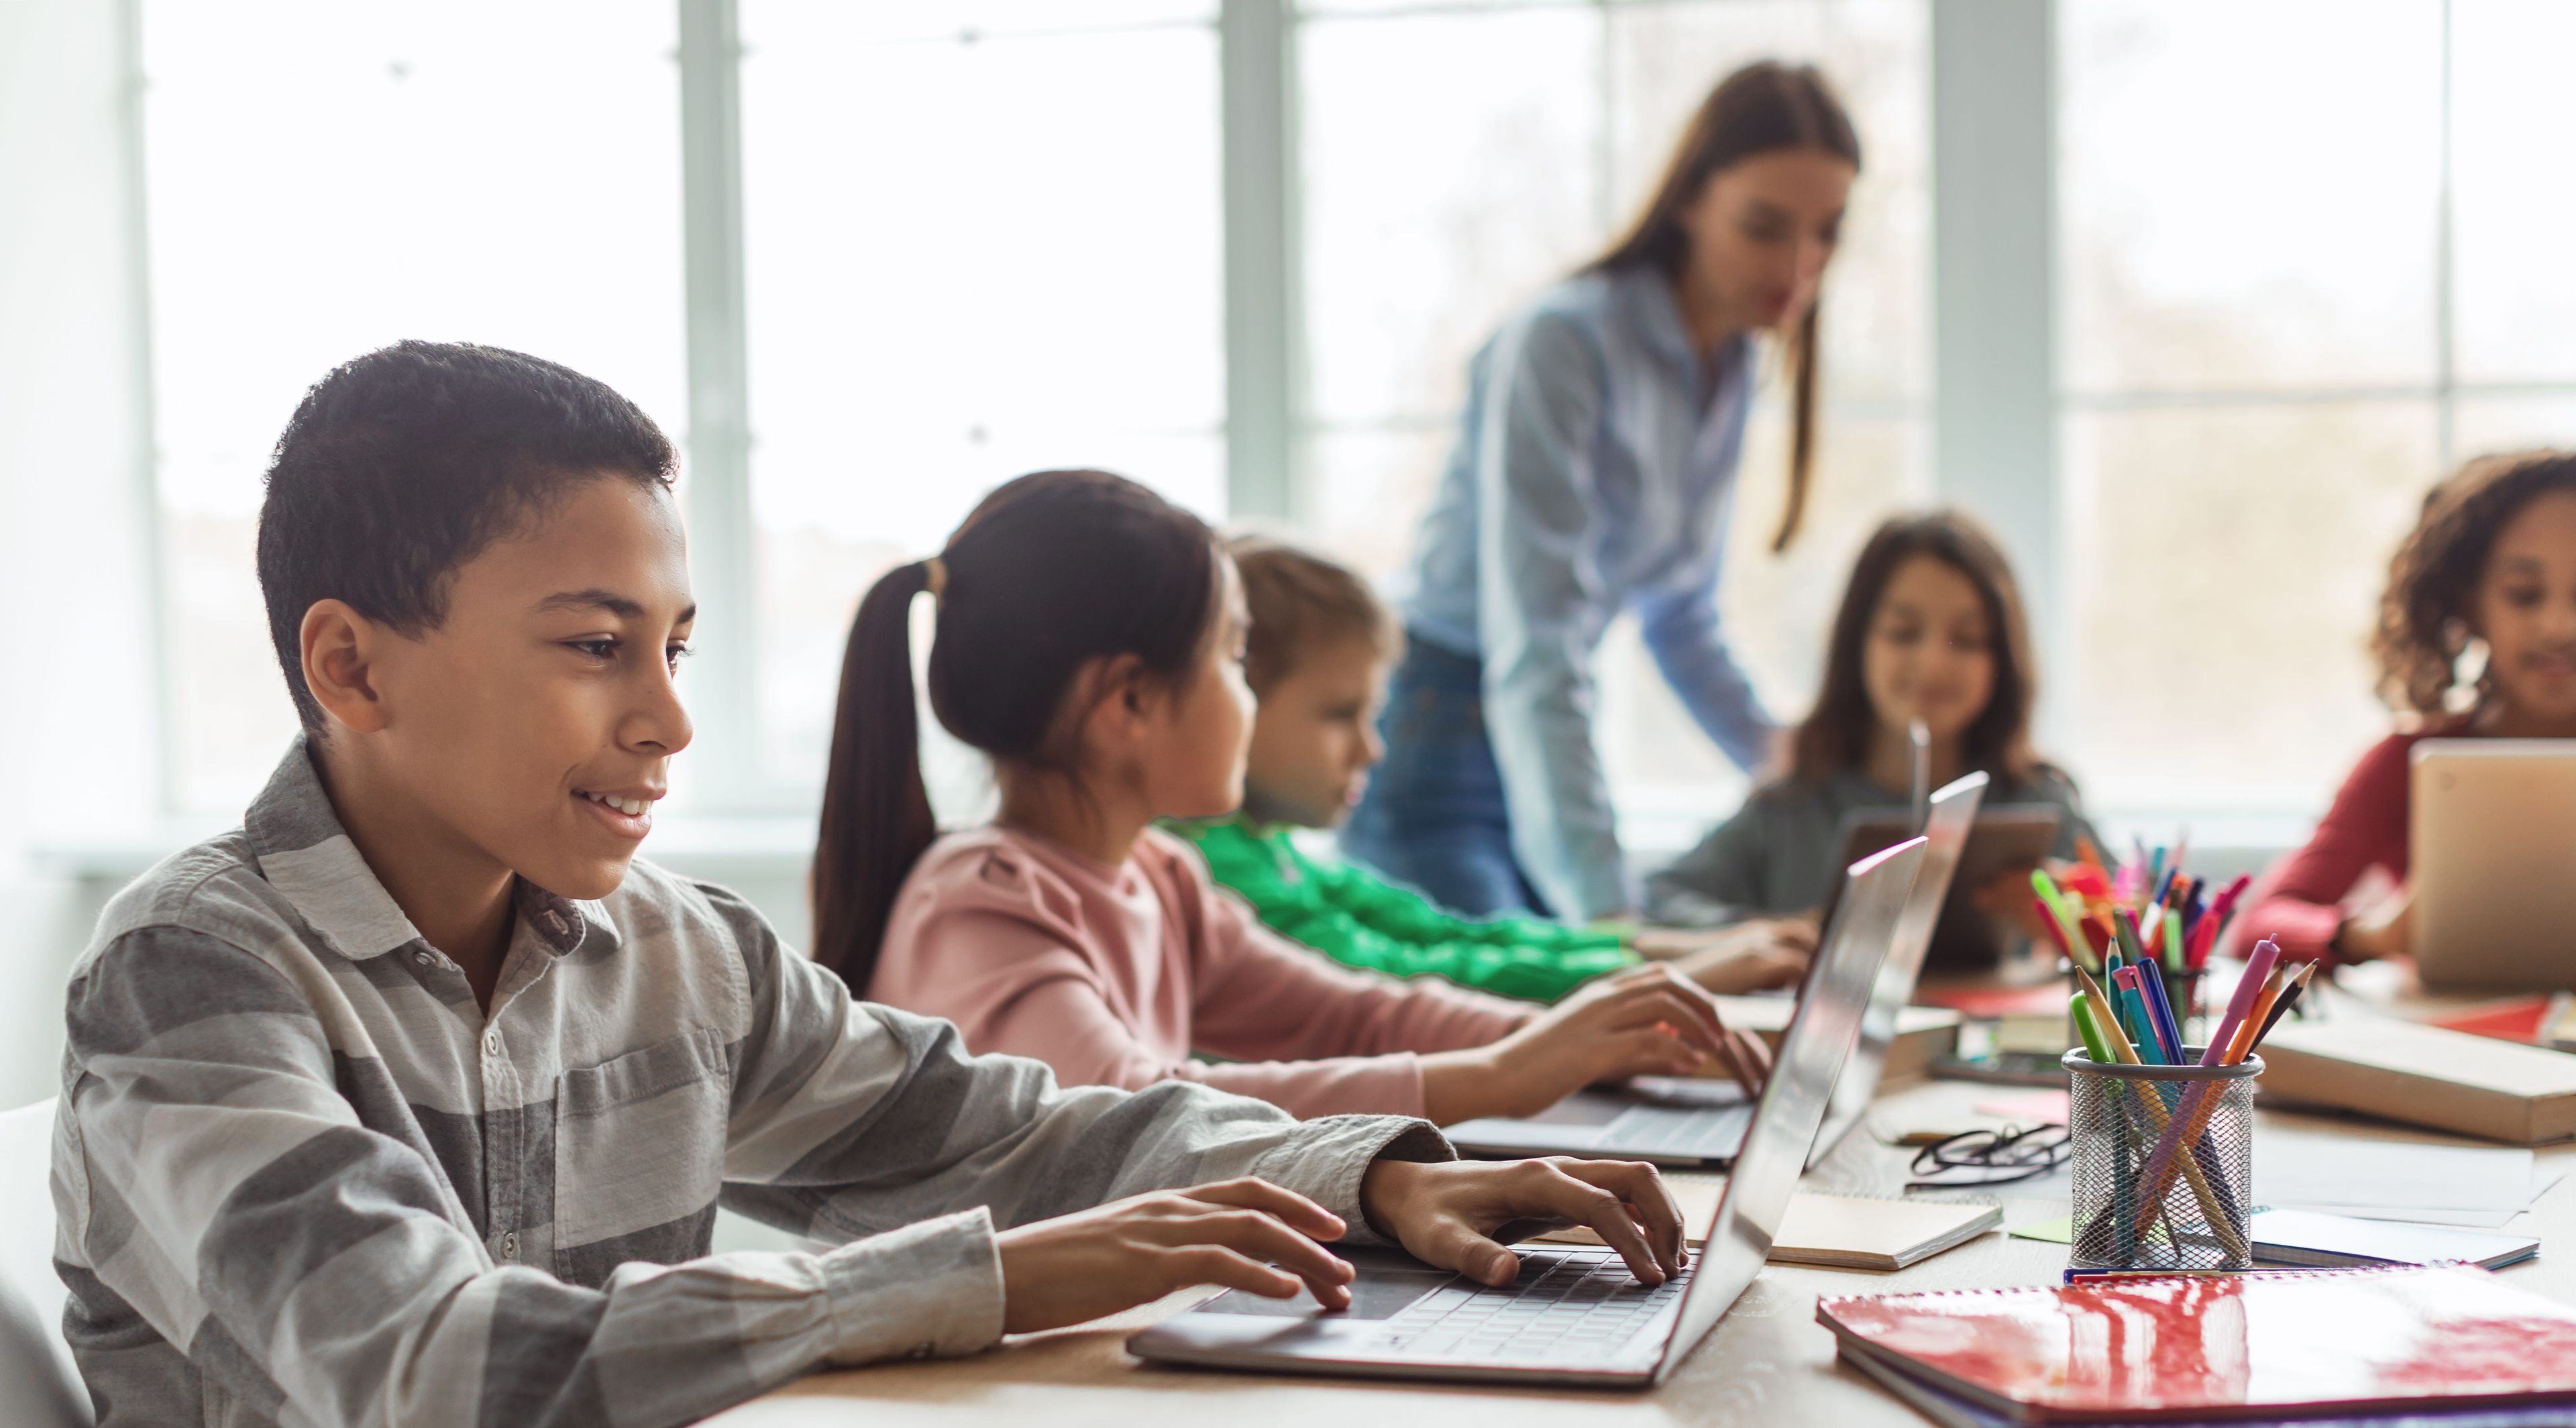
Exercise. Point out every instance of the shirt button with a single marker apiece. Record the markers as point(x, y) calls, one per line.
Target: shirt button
point(423, 958)
point(510, 1245)
point(492, 1042)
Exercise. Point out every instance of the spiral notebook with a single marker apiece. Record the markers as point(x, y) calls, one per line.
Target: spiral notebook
point(2314, 1343)
point(1951, 1411)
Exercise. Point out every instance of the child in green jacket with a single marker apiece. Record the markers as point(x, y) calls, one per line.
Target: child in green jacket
point(1317, 656)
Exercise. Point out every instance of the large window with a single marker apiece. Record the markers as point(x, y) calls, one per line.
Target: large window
point(976, 239)
point(2307, 257)
point(980, 240)
point(2286, 305)
point(324, 179)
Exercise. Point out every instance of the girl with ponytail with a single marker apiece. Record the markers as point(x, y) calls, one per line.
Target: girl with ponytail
point(1088, 640)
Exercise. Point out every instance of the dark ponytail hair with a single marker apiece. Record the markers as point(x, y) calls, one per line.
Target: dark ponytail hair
point(1762, 108)
point(1049, 572)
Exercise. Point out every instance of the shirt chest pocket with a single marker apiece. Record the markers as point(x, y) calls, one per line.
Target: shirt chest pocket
point(639, 1156)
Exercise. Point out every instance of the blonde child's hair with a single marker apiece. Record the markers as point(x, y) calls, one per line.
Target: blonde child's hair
point(1299, 601)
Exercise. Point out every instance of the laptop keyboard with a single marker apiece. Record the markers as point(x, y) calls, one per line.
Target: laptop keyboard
point(1648, 1129)
point(1580, 1306)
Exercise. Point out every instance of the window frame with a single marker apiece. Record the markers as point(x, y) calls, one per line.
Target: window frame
point(1266, 423)
point(2032, 87)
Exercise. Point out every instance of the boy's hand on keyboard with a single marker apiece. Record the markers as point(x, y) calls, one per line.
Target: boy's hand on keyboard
point(1646, 1021)
point(1450, 1213)
point(1244, 1234)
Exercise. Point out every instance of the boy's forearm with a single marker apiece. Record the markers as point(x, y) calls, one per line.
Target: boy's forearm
point(937, 1127)
point(336, 1261)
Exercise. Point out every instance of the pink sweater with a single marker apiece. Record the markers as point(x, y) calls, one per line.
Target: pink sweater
point(1115, 975)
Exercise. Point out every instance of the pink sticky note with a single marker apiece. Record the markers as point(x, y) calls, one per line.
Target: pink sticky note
point(2042, 1106)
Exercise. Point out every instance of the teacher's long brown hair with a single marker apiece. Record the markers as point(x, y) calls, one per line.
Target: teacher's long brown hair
point(1760, 109)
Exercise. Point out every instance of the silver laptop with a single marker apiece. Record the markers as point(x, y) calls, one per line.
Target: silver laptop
point(1577, 1316)
point(1952, 812)
point(1691, 1121)
point(2492, 857)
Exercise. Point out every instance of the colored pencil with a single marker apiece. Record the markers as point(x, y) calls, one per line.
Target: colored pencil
point(2288, 999)
point(2214, 1196)
point(2191, 1118)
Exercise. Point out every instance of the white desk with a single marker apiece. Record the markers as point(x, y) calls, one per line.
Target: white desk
point(1768, 1362)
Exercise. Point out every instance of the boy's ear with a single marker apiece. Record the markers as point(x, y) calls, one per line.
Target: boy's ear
point(339, 647)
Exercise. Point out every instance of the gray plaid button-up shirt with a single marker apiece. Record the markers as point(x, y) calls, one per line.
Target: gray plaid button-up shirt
point(302, 1178)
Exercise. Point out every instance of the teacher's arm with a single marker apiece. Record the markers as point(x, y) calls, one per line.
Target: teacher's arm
point(1682, 628)
point(1544, 392)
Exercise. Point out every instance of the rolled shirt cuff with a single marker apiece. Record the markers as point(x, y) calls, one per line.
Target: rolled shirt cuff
point(1329, 1157)
point(930, 1290)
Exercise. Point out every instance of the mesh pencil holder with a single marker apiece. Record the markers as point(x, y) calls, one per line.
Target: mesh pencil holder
point(2164, 1164)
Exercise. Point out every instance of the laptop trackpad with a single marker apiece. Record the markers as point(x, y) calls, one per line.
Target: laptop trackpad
point(1376, 1294)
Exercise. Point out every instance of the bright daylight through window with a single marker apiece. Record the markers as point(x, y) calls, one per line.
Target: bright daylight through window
point(941, 288)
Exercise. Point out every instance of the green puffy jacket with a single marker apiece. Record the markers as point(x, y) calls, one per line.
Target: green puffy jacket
point(1355, 918)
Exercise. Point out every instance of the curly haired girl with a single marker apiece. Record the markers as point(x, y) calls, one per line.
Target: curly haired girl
point(2476, 638)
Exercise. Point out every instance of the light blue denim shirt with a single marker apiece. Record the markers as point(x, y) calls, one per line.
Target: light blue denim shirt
point(1589, 477)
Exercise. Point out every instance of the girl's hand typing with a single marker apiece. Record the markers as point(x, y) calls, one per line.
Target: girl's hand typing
point(1748, 957)
point(1646, 1021)
point(2387, 929)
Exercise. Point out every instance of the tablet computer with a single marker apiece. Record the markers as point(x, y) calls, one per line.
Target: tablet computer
point(2006, 838)
point(2492, 855)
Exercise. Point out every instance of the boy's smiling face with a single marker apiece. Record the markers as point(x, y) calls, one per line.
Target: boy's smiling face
point(533, 727)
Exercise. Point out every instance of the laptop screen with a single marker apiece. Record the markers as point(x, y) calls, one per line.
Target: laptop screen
point(1945, 835)
point(1811, 1056)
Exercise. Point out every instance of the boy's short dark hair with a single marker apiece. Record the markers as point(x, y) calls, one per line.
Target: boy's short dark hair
point(1299, 601)
point(405, 463)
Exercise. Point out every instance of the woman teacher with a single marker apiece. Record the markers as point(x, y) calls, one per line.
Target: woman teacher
point(1594, 472)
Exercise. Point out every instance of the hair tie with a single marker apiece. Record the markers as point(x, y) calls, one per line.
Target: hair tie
point(934, 577)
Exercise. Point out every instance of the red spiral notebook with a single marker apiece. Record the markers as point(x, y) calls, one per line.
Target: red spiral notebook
point(2225, 1346)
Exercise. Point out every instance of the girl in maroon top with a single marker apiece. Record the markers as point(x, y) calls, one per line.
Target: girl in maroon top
point(2476, 638)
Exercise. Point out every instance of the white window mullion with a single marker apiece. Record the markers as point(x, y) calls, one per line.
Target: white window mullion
point(1995, 329)
point(1257, 55)
point(148, 540)
point(723, 681)
point(2446, 374)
